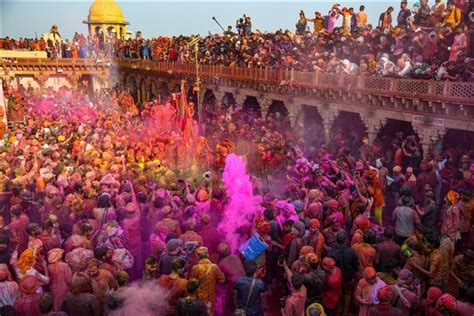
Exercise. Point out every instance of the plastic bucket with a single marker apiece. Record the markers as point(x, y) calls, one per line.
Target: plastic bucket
point(253, 247)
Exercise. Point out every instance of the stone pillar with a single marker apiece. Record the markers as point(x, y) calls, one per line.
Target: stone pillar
point(240, 98)
point(328, 113)
point(429, 135)
point(265, 104)
point(219, 95)
point(373, 125)
point(294, 112)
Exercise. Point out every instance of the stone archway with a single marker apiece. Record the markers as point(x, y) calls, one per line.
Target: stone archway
point(347, 130)
point(391, 135)
point(163, 91)
point(251, 104)
point(29, 82)
point(98, 29)
point(57, 81)
point(278, 109)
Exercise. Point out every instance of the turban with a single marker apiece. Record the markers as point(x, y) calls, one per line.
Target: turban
point(385, 294)
point(202, 250)
point(452, 197)
point(313, 194)
point(314, 223)
point(333, 203)
point(405, 274)
point(223, 249)
point(166, 210)
point(77, 203)
point(29, 284)
point(337, 218)
point(281, 204)
point(55, 255)
point(26, 260)
point(329, 262)
point(448, 301)
point(300, 227)
point(205, 219)
point(76, 241)
point(306, 250)
point(298, 205)
point(131, 207)
point(202, 195)
point(173, 244)
point(36, 244)
point(161, 229)
point(4, 273)
point(364, 223)
point(434, 293)
point(51, 190)
point(312, 258)
point(369, 273)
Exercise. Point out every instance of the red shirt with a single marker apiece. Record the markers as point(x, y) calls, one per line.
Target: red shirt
point(332, 289)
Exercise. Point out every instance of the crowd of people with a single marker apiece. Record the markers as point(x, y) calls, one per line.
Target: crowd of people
point(111, 209)
point(424, 42)
point(427, 41)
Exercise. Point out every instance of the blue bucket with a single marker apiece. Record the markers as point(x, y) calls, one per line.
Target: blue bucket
point(253, 247)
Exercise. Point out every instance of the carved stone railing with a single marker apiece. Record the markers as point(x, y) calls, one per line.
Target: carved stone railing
point(40, 64)
point(427, 90)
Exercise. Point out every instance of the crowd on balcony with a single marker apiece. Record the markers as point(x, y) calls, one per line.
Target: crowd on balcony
point(429, 41)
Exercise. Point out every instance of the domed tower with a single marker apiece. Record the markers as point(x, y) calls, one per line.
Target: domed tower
point(106, 16)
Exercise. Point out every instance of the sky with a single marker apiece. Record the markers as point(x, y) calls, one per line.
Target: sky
point(19, 18)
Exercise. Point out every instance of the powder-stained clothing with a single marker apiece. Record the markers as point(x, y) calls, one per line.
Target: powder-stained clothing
point(81, 304)
point(366, 295)
point(387, 251)
point(405, 219)
point(332, 289)
point(439, 265)
point(208, 274)
point(60, 275)
point(102, 283)
point(366, 254)
point(77, 258)
point(295, 303)
point(28, 305)
point(451, 222)
point(176, 287)
point(464, 269)
point(9, 292)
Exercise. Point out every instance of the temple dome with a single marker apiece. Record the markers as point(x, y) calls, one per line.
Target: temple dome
point(106, 11)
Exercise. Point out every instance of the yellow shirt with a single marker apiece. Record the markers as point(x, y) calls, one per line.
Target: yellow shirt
point(453, 17)
point(362, 18)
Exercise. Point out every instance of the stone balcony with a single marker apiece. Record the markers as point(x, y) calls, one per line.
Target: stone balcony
point(441, 97)
point(432, 107)
point(39, 70)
